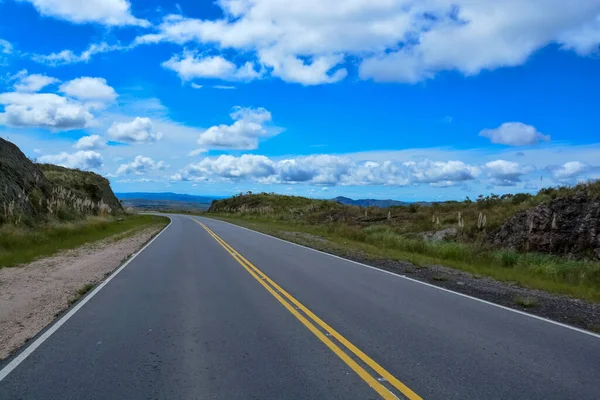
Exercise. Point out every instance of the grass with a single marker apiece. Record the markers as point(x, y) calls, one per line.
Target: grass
point(81, 292)
point(20, 245)
point(580, 279)
point(526, 302)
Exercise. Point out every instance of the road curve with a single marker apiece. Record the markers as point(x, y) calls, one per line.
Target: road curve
point(214, 311)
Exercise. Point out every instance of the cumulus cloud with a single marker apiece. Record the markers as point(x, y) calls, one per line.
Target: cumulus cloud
point(190, 66)
point(140, 165)
point(506, 173)
point(515, 134)
point(244, 134)
point(139, 130)
point(80, 160)
point(65, 57)
point(441, 171)
point(312, 41)
point(24, 82)
point(43, 110)
point(323, 169)
point(92, 142)
point(570, 170)
point(87, 88)
point(105, 12)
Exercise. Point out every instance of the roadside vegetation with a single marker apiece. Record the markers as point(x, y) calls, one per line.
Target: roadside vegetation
point(453, 234)
point(22, 244)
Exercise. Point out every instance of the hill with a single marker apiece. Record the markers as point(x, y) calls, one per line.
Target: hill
point(36, 192)
point(370, 202)
point(562, 221)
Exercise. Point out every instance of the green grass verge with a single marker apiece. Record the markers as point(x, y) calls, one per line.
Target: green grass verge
point(20, 245)
point(580, 279)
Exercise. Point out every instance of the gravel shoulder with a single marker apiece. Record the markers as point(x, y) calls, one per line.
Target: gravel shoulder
point(32, 295)
point(559, 308)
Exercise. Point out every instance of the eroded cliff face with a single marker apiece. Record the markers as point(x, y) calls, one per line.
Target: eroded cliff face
point(565, 226)
point(32, 192)
point(19, 178)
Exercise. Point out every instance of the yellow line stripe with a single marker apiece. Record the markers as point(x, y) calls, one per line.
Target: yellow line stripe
point(378, 387)
point(405, 390)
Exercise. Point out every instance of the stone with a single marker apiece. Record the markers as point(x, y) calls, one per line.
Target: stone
point(567, 225)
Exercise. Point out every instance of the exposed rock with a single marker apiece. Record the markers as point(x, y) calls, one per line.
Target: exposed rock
point(19, 178)
point(439, 236)
point(29, 190)
point(566, 226)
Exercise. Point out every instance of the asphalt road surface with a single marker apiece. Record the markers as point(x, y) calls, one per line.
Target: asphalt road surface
point(213, 311)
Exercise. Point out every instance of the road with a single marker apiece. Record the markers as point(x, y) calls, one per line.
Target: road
point(213, 311)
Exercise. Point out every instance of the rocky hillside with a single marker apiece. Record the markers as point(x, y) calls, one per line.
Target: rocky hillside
point(568, 225)
point(35, 192)
point(561, 221)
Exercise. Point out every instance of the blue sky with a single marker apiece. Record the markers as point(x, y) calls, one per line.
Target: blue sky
point(405, 99)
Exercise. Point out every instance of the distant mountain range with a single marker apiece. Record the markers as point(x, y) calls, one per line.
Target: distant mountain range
point(167, 196)
point(370, 202)
point(166, 201)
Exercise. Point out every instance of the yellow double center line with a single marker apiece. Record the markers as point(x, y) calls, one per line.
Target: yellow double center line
point(293, 305)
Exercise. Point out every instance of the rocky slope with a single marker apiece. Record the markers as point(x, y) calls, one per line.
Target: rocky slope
point(565, 226)
point(31, 192)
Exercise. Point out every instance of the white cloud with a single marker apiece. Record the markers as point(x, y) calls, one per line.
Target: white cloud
point(139, 180)
point(140, 165)
point(319, 70)
point(441, 171)
point(324, 169)
point(80, 159)
point(86, 88)
point(92, 142)
point(5, 47)
point(312, 41)
point(223, 87)
point(515, 134)
point(196, 86)
point(70, 57)
point(31, 83)
point(570, 170)
point(244, 134)
point(106, 12)
point(318, 169)
point(196, 152)
point(140, 130)
point(43, 110)
point(228, 167)
point(190, 66)
point(506, 173)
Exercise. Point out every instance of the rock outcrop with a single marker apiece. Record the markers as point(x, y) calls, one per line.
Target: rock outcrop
point(565, 226)
point(19, 178)
point(30, 192)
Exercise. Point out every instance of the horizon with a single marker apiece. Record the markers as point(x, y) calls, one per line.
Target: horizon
point(227, 96)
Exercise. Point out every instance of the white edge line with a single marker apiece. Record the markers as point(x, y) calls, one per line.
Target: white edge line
point(38, 342)
point(421, 282)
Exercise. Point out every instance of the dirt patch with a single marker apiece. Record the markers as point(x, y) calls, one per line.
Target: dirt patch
point(33, 294)
point(552, 306)
point(301, 235)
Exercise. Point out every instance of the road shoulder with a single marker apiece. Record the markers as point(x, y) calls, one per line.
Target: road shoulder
point(34, 294)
